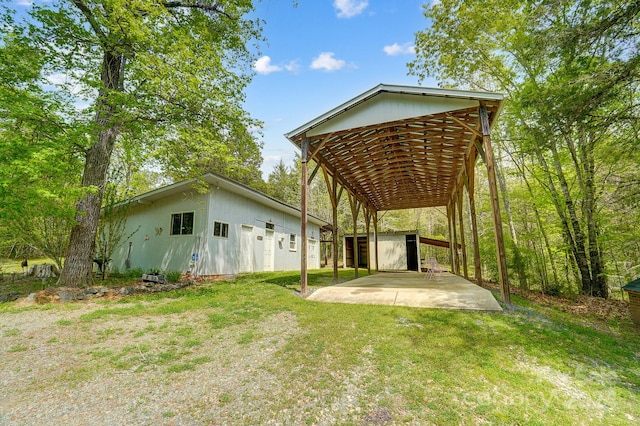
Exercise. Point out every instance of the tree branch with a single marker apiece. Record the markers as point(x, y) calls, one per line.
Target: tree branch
point(216, 8)
point(90, 18)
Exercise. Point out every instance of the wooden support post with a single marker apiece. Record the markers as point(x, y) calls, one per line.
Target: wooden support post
point(450, 235)
point(355, 208)
point(367, 218)
point(495, 205)
point(303, 218)
point(332, 187)
point(474, 220)
point(455, 267)
point(462, 239)
point(375, 230)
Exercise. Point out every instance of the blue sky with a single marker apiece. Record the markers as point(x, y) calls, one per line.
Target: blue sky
point(323, 53)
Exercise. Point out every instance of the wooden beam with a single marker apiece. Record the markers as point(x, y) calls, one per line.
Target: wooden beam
point(303, 218)
point(313, 173)
point(474, 221)
point(495, 206)
point(463, 124)
point(355, 209)
point(320, 146)
point(332, 185)
point(367, 218)
point(456, 256)
point(375, 230)
point(463, 247)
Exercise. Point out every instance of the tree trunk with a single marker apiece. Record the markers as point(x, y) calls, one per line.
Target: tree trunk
point(78, 265)
point(598, 279)
point(518, 262)
point(578, 239)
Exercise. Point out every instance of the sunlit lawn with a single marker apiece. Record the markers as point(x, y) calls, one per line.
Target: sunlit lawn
point(526, 365)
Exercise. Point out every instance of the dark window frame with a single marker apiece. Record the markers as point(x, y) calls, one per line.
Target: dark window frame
point(182, 223)
point(220, 229)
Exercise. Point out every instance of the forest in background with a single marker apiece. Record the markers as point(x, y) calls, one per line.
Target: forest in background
point(566, 140)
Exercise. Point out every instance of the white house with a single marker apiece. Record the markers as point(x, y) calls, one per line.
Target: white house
point(220, 228)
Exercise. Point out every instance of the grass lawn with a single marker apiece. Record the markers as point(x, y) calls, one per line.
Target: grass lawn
point(389, 365)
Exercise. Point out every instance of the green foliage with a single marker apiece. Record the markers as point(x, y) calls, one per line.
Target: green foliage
point(570, 68)
point(154, 79)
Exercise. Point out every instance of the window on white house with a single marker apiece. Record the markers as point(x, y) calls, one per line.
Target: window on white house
point(292, 242)
point(182, 223)
point(221, 229)
point(270, 225)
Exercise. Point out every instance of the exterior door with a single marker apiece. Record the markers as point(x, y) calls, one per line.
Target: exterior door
point(268, 250)
point(312, 254)
point(246, 249)
point(412, 253)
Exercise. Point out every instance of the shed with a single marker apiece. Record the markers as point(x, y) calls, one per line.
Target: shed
point(214, 226)
point(397, 251)
point(633, 290)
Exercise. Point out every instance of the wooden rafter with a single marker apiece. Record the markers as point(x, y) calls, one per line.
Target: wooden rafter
point(401, 164)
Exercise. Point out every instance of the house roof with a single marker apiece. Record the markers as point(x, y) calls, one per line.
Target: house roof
point(633, 286)
point(226, 184)
point(397, 147)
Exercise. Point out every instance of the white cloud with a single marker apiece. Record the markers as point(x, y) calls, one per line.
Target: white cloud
point(397, 49)
point(326, 61)
point(58, 78)
point(292, 66)
point(350, 8)
point(264, 66)
point(434, 3)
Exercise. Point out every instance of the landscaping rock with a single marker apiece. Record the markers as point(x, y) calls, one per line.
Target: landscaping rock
point(9, 297)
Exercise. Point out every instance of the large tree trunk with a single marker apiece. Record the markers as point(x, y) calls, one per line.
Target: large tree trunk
point(598, 278)
point(78, 265)
point(575, 231)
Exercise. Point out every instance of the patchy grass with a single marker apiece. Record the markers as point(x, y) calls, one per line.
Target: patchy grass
point(364, 364)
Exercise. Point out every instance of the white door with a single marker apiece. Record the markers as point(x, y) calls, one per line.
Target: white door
point(312, 254)
point(246, 249)
point(268, 250)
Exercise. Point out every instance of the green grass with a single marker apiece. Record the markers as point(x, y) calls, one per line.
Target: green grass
point(528, 365)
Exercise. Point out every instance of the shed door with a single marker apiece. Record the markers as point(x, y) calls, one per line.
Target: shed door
point(412, 253)
point(268, 250)
point(246, 249)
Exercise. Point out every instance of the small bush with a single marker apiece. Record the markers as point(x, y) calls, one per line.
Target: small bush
point(173, 276)
point(128, 273)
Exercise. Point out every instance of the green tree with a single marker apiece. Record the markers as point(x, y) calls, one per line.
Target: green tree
point(157, 70)
point(38, 160)
point(570, 68)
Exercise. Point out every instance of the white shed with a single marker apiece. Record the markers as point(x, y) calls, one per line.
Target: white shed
point(225, 228)
point(397, 251)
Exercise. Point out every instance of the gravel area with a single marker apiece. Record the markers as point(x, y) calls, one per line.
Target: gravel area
point(59, 367)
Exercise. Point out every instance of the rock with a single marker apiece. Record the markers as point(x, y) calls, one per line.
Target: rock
point(31, 298)
point(9, 297)
point(124, 290)
point(155, 278)
point(66, 295)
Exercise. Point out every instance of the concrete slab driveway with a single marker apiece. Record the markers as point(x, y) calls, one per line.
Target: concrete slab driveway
point(410, 289)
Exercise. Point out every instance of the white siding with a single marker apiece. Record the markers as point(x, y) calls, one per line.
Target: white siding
point(215, 255)
point(152, 245)
point(392, 251)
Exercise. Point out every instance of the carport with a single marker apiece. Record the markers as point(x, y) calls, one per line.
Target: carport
point(400, 147)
